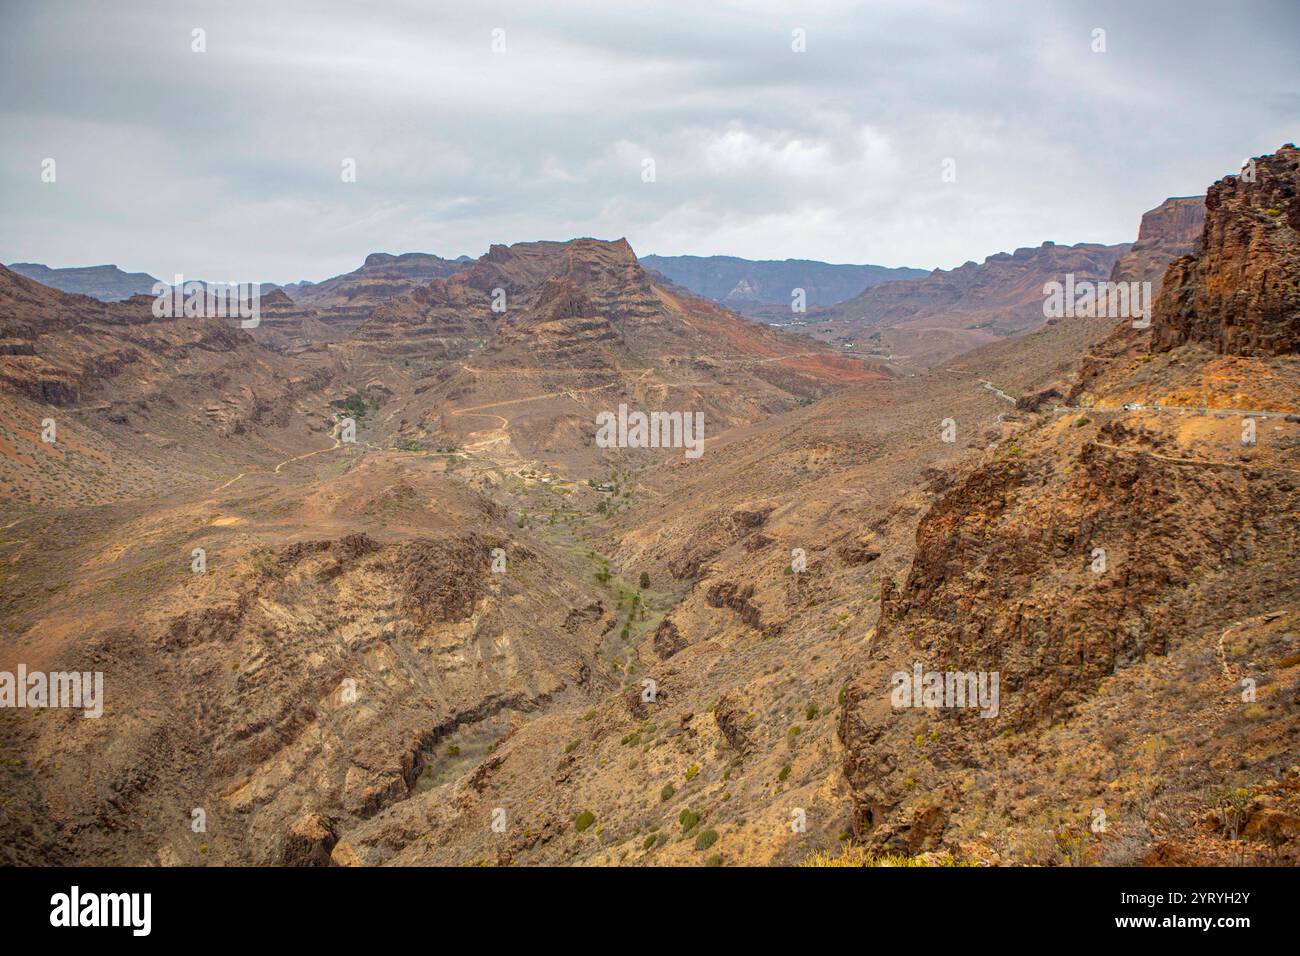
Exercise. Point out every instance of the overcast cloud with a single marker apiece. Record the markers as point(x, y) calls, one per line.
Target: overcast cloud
point(226, 164)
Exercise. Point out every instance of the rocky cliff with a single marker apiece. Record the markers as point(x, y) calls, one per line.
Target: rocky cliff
point(1240, 293)
point(1166, 232)
point(1126, 567)
point(347, 299)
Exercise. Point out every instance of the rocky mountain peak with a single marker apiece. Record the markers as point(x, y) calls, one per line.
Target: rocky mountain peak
point(1166, 232)
point(1177, 218)
point(1241, 291)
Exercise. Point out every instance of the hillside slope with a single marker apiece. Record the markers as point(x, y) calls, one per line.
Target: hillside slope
point(1131, 574)
point(920, 322)
point(583, 329)
point(139, 402)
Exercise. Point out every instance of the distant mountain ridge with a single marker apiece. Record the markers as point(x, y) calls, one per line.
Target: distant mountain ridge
point(749, 285)
point(1166, 232)
point(107, 283)
point(920, 322)
point(349, 298)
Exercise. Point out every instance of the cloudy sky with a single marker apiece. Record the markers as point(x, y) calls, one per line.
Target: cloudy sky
point(228, 163)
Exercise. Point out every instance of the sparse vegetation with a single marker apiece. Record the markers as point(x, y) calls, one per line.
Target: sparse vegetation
point(852, 855)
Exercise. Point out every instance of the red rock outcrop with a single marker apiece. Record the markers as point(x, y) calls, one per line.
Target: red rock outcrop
point(1241, 292)
point(1167, 232)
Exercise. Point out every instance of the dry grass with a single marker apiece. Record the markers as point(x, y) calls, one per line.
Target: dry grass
point(853, 855)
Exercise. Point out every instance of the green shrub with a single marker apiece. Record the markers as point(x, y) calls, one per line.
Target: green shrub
point(667, 792)
point(785, 772)
point(649, 841)
point(812, 712)
point(585, 819)
point(714, 860)
point(692, 771)
point(688, 819)
point(706, 839)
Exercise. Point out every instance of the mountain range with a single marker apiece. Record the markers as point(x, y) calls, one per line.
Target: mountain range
point(766, 288)
point(920, 322)
point(367, 588)
point(107, 283)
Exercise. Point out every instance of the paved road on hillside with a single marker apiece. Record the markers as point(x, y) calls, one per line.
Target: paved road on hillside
point(1133, 408)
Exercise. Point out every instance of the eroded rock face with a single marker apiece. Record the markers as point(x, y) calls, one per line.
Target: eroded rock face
point(347, 299)
point(309, 841)
point(1104, 567)
point(736, 597)
point(1240, 293)
point(735, 721)
point(668, 639)
point(1170, 230)
point(1056, 583)
point(285, 326)
point(303, 688)
point(1058, 575)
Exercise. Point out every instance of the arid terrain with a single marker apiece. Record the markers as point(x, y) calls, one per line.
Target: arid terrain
point(920, 322)
point(366, 589)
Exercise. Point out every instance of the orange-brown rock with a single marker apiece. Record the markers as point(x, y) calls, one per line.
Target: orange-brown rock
point(1240, 293)
point(1170, 230)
